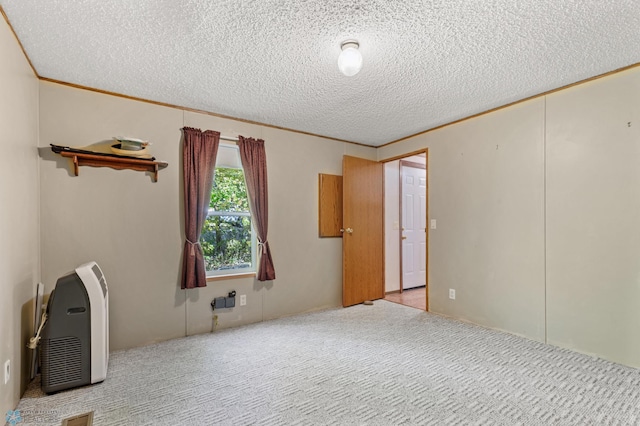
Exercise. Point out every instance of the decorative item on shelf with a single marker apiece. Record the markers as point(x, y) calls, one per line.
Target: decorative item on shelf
point(130, 147)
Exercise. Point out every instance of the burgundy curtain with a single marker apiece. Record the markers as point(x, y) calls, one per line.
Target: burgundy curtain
point(254, 163)
point(200, 149)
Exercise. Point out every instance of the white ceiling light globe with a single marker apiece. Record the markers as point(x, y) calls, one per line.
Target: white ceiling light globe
point(350, 59)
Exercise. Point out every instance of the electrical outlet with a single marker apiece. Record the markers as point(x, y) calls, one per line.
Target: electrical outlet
point(243, 299)
point(452, 294)
point(7, 371)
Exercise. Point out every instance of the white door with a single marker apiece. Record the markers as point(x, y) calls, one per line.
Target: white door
point(414, 223)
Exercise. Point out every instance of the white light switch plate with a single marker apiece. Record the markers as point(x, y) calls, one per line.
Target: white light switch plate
point(7, 371)
point(433, 224)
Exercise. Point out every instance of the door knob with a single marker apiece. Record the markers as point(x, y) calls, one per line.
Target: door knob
point(404, 237)
point(349, 231)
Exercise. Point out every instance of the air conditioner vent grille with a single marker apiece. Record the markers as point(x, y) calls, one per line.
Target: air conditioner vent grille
point(62, 360)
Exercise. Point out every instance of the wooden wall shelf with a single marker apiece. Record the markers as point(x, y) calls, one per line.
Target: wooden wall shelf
point(115, 162)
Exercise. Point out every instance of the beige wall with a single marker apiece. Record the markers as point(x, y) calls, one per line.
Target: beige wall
point(537, 210)
point(19, 228)
point(133, 227)
point(486, 187)
point(593, 217)
point(119, 218)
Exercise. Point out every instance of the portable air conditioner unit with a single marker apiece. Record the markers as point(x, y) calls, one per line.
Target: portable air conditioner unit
point(75, 339)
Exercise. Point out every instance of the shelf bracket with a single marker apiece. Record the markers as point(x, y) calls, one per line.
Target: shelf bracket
point(75, 165)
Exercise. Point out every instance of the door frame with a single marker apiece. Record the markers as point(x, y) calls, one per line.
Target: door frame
point(407, 163)
point(424, 151)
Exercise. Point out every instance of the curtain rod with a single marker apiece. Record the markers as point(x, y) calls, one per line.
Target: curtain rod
point(228, 138)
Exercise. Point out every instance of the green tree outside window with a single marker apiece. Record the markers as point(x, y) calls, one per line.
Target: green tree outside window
point(226, 237)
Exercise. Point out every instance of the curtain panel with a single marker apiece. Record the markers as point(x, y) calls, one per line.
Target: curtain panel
point(254, 163)
point(199, 160)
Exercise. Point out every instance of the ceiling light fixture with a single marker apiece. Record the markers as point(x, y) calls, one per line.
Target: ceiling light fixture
point(350, 59)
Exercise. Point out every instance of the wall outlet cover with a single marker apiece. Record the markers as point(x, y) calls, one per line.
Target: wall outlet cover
point(452, 294)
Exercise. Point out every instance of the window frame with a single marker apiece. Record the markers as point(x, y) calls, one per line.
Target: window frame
point(240, 272)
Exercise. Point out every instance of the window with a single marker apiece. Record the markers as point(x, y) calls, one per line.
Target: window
point(227, 239)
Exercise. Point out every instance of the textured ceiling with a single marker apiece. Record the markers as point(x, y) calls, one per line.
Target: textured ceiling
point(426, 62)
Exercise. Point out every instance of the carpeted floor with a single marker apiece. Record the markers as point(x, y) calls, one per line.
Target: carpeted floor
point(385, 364)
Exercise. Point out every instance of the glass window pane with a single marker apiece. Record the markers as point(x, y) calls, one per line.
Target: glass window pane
point(226, 243)
point(229, 192)
point(227, 239)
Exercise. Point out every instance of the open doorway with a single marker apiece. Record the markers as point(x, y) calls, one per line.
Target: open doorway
point(406, 231)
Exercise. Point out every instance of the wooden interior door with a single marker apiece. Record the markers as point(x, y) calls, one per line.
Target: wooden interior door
point(362, 241)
